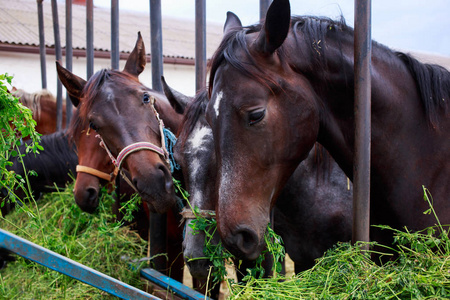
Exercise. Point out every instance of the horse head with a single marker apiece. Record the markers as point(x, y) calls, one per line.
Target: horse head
point(126, 117)
point(194, 152)
point(257, 133)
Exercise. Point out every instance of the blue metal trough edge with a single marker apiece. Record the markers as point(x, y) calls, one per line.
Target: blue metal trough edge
point(171, 284)
point(69, 267)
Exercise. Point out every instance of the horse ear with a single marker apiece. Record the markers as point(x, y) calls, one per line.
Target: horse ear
point(276, 27)
point(72, 83)
point(136, 61)
point(178, 100)
point(232, 23)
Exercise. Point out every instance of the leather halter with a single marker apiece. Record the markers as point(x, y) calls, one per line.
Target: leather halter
point(162, 151)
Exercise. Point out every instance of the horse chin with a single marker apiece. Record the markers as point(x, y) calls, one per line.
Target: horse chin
point(199, 268)
point(159, 205)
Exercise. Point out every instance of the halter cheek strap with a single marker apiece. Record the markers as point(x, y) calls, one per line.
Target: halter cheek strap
point(138, 147)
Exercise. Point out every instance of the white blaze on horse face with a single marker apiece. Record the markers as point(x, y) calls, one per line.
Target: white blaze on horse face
point(217, 103)
point(200, 135)
point(197, 141)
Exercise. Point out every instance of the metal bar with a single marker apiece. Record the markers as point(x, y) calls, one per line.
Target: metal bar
point(69, 267)
point(115, 34)
point(89, 38)
point(263, 7)
point(42, 44)
point(171, 284)
point(361, 165)
point(69, 56)
point(58, 55)
point(200, 44)
point(158, 223)
point(156, 44)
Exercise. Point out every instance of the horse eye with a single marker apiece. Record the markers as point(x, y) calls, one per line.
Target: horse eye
point(256, 116)
point(146, 98)
point(92, 126)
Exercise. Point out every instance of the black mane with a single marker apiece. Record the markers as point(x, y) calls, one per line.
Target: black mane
point(433, 81)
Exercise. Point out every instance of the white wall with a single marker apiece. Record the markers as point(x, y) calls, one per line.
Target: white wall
point(27, 72)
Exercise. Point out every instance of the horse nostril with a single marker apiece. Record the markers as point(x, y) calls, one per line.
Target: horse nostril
point(92, 194)
point(247, 242)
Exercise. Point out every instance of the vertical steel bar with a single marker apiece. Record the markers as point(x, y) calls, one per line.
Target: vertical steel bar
point(42, 44)
point(361, 165)
point(115, 34)
point(58, 54)
point(200, 44)
point(156, 44)
point(69, 56)
point(158, 222)
point(89, 38)
point(263, 7)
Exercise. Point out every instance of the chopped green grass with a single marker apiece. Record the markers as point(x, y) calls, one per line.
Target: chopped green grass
point(94, 240)
point(420, 270)
point(346, 272)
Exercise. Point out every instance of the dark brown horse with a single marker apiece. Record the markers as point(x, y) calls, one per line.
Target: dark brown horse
point(43, 106)
point(126, 115)
point(55, 165)
point(312, 213)
point(278, 87)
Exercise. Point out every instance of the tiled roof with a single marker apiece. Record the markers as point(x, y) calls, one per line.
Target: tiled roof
point(19, 26)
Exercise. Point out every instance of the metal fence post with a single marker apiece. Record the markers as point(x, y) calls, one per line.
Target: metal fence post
point(42, 44)
point(69, 56)
point(89, 38)
point(158, 222)
point(58, 54)
point(361, 165)
point(115, 34)
point(156, 44)
point(200, 44)
point(263, 7)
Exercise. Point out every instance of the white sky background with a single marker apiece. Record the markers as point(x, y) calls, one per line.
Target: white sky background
point(408, 25)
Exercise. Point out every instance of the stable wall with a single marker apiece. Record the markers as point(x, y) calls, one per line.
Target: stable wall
point(26, 69)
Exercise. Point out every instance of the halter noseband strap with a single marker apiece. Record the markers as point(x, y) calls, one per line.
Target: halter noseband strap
point(97, 173)
point(137, 147)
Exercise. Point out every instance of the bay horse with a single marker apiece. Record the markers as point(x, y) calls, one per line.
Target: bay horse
point(43, 106)
point(126, 115)
point(312, 213)
point(277, 88)
point(54, 166)
point(95, 170)
point(123, 111)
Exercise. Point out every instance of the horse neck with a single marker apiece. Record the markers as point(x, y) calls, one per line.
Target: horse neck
point(336, 102)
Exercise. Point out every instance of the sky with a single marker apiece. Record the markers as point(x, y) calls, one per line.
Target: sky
point(407, 25)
